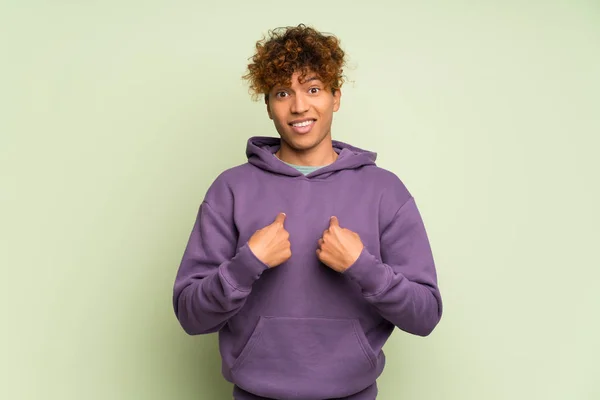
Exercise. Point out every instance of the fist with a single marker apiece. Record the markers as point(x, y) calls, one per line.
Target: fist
point(271, 244)
point(339, 247)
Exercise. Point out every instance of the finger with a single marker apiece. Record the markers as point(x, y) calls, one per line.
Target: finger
point(333, 221)
point(320, 242)
point(280, 218)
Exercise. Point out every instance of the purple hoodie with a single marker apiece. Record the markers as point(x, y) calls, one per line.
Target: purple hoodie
point(302, 330)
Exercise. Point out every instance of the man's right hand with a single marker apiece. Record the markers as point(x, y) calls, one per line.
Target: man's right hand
point(271, 244)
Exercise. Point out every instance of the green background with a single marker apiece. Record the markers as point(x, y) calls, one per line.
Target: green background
point(115, 116)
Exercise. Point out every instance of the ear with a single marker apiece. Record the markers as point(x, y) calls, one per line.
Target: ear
point(337, 97)
point(268, 108)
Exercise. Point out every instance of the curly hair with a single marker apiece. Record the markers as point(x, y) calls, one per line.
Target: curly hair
point(295, 49)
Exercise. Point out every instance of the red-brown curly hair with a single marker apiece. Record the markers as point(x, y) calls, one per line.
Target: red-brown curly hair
point(295, 49)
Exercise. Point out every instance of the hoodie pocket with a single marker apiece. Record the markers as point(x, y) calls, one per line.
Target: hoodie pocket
point(306, 358)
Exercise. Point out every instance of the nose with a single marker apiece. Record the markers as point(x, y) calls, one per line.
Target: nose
point(299, 104)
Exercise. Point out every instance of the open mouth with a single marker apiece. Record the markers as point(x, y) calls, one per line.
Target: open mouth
point(303, 126)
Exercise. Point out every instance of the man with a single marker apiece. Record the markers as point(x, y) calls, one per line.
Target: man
point(306, 257)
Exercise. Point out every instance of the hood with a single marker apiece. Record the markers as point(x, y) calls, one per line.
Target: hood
point(261, 150)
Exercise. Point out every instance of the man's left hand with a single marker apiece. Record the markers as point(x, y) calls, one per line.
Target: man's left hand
point(339, 247)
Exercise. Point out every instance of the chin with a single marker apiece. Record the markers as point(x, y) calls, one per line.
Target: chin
point(310, 137)
point(306, 142)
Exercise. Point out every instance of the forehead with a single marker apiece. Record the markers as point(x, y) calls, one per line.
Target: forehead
point(303, 77)
point(299, 78)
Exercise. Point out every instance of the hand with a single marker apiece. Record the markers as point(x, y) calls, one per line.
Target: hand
point(339, 247)
point(271, 244)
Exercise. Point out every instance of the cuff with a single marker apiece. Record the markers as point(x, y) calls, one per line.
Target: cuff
point(370, 274)
point(244, 269)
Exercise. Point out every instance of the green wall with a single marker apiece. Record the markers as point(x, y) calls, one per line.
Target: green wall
point(115, 116)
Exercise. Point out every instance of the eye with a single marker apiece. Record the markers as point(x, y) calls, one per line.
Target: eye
point(281, 94)
point(314, 90)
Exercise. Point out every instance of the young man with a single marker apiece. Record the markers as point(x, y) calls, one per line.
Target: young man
point(306, 257)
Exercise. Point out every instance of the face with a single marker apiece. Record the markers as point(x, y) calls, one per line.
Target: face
point(303, 112)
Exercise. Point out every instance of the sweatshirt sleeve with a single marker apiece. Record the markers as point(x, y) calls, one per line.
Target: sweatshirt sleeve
point(213, 280)
point(403, 285)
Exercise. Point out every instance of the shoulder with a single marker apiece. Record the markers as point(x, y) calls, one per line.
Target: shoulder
point(222, 188)
point(393, 194)
point(389, 184)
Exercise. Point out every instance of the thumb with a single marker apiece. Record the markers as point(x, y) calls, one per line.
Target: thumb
point(280, 218)
point(333, 221)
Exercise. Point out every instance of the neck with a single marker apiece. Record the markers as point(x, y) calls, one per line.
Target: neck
point(317, 157)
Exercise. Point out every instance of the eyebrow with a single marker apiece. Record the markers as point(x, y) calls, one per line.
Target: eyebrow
point(312, 78)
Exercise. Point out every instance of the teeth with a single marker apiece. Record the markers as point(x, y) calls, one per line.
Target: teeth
point(305, 123)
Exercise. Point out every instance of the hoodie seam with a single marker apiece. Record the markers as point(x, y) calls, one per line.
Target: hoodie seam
point(396, 214)
point(224, 276)
point(388, 277)
point(213, 209)
point(332, 175)
point(220, 271)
